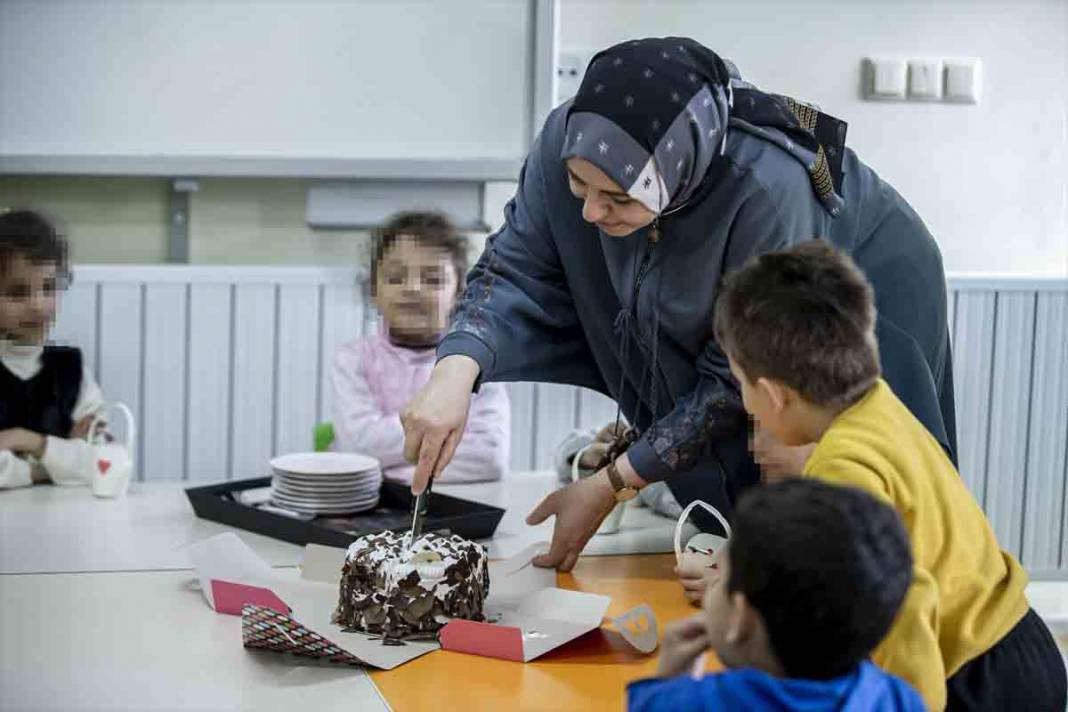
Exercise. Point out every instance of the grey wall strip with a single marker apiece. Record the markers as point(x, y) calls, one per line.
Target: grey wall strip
point(545, 20)
point(478, 169)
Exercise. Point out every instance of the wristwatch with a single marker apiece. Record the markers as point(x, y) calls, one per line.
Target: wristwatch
point(624, 491)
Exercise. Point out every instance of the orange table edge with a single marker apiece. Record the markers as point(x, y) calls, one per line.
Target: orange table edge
point(590, 672)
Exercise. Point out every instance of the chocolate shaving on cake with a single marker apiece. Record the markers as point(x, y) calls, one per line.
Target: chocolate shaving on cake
point(385, 593)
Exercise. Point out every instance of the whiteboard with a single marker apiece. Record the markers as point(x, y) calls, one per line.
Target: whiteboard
point(265, 80)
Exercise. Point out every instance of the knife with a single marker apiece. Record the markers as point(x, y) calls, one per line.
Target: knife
point(419, 508)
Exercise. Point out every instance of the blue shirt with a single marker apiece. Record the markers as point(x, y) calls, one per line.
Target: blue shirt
point(866, 689)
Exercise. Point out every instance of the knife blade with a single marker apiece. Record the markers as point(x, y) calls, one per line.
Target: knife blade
point(419, 507)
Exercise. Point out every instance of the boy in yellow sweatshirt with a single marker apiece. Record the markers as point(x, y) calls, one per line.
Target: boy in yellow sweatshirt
point(798, 328)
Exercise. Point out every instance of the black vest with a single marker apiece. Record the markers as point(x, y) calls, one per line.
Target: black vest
point(46, 402)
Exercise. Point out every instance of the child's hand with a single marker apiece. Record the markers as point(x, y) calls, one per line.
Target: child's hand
point(595, 453)
point(683, 641)
point(610, 432)
point(592, 455)
point(23, 442)
point(778, 461)
point(80, 430)
point(695, 571)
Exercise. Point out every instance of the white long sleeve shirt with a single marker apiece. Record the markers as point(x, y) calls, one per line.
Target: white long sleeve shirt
point(373, 380)
point(65, 461)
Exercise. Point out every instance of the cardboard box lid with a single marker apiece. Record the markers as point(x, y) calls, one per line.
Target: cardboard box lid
point(527, 615)
point(302, 623)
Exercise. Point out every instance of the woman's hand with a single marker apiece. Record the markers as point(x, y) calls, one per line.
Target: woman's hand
point(579, 508)
point(778, 461)
point(434, 420)
point(683, 641)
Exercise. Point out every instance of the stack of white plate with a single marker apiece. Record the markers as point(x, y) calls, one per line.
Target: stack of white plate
point(325, 482)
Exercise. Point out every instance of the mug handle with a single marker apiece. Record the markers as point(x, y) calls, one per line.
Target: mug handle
point(686, 514)
point(575, 467)
point(131, 425)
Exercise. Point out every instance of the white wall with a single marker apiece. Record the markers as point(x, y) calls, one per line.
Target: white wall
point(991, 181)
point(279, 79)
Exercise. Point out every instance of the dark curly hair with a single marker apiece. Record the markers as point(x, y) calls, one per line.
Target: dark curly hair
point(429, 228)
point(826, 566)
point(804, 316)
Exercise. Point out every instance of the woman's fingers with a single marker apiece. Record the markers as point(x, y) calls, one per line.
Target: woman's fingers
point(578, 509)
point(448, 449)
point(545, 508)
point(413, 440)
point(429, 451)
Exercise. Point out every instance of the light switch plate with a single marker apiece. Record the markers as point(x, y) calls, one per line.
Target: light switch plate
point(925, 79)
point(963, 80)
point(886, 78)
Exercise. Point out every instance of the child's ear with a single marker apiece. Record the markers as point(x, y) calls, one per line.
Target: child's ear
point(741, 624)
point(774, 392)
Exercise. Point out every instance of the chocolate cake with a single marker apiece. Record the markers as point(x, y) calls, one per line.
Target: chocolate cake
point(390, 590)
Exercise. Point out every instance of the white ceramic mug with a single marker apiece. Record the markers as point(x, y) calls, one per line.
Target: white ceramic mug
point(112, 462)
point(611, 523)
point(701, 544)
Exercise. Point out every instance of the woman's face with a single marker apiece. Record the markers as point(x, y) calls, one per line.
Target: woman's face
point(604, 203)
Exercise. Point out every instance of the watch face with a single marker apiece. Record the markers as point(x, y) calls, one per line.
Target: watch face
point(627, 493)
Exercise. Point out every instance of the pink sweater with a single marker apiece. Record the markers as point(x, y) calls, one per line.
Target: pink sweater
point(373, 381)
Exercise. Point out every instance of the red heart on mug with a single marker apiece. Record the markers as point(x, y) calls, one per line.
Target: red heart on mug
point(103, 466)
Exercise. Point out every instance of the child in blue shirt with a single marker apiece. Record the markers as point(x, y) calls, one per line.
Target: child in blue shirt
point(809, 583)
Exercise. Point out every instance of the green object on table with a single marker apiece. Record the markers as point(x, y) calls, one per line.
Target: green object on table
point(323, 436)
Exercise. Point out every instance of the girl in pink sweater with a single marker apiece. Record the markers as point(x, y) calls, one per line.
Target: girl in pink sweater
point(418, 264)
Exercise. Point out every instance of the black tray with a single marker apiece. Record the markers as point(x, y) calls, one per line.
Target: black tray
point(471, 520)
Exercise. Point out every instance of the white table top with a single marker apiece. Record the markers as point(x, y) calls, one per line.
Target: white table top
point(641, 532)
point(99, 610)
point(148, 641)
point(47, 529)
point(134, 633)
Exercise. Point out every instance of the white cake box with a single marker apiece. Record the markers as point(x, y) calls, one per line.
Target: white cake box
point(528, 616)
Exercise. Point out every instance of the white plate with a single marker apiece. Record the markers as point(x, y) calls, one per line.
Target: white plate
point(328, 508)
point(346, 499)
point(322, 502)
point(349, 493)
point(326, 496)
point(324, 463)
point(305, 486)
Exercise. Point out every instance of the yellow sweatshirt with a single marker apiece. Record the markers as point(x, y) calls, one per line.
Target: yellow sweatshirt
point(966, 593)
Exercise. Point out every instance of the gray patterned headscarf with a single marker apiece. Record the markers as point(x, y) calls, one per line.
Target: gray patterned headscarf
point(654, 113)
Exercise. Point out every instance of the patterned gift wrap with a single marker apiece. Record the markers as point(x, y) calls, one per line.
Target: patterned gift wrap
point(264, 628)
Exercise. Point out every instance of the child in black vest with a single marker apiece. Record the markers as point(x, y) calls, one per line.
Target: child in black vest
point(47, 397)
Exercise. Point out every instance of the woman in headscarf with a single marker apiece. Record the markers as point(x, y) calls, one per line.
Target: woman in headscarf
point(663, 174)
